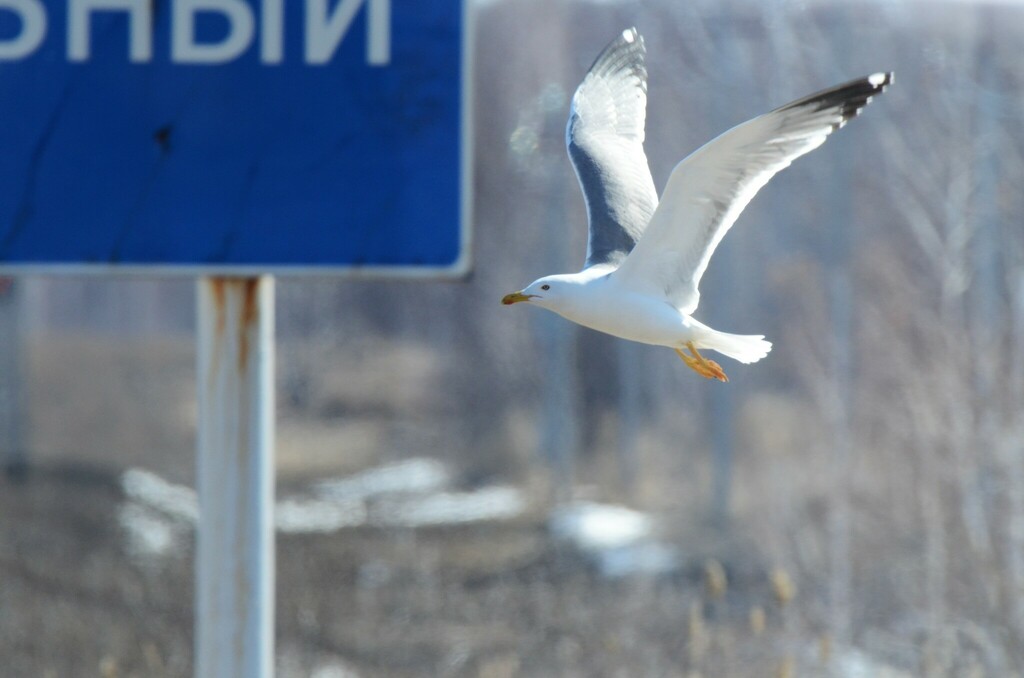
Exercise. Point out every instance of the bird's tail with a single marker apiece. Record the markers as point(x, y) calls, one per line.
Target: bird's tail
point(746, 348)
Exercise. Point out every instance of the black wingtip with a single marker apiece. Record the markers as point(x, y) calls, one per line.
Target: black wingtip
point(849, 97)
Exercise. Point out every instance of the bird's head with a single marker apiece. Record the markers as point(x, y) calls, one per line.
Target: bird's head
point(543, 292)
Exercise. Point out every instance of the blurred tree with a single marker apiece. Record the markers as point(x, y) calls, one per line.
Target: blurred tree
point(13, 412)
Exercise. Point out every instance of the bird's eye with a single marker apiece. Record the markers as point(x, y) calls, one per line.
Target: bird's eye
point(545, 287)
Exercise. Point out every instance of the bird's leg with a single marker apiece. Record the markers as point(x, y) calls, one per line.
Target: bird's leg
point(711, 369)
point(694, 364)
point(701, 365)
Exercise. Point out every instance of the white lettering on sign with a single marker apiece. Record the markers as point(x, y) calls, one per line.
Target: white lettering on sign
point(140, 26)
point(185, 49)
point(32, 15)
point(324, 32)
point(272, 32)
point(325, 29)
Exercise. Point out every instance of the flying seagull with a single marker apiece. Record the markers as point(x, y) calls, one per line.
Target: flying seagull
point(645, 258)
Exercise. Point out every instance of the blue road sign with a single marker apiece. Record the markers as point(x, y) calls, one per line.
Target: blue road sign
point(233, 136)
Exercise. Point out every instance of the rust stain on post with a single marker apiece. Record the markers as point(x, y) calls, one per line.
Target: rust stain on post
point(249, 318)
point(217, 291)
point(215, 287)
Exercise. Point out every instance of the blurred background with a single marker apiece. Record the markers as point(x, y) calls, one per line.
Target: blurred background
point(471, 490)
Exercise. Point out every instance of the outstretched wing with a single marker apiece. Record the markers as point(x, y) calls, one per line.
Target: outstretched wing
point(605, 138)
point(707, 191)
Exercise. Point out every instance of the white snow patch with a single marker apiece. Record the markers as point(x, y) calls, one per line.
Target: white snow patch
point(150, 533)
point(449, 508)
point(333, 670)
point(854, 663)
point(304, 516)
point(145, 487)
point(410, 493)
point(412, 475)
point(646, 557)
point(294, 663)
point(594, 527)
point(619, 541)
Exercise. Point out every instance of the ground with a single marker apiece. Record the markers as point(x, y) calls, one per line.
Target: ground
point(505, 596)
point(496, 599)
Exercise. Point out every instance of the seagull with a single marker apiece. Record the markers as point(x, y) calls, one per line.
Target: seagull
point(645, 258)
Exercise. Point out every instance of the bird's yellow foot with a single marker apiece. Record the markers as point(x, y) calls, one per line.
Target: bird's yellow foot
point(701, 365)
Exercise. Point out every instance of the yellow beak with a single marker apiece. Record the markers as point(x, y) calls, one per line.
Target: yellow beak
point(516, 297)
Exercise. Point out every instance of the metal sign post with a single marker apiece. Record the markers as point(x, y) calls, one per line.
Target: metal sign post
point(235, 476)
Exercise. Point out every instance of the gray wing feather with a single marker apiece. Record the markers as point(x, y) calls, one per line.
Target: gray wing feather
point(707, 191)
point(605, 137)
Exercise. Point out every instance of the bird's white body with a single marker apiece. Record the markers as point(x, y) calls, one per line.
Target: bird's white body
point(603, 305)
point(645, 256)
point(597, 299)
